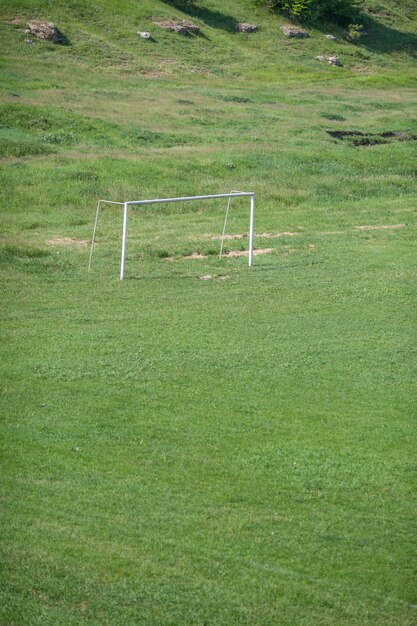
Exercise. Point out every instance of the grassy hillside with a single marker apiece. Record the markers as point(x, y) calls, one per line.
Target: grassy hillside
point(201, 443)
point(102, 35)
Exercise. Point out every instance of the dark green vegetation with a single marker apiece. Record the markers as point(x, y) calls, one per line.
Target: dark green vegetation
point(234, 450)
point(337, 10)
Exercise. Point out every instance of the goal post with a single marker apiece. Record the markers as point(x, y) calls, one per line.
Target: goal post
point(127, 204)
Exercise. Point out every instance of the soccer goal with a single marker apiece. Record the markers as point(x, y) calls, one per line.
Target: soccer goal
point(135, 203)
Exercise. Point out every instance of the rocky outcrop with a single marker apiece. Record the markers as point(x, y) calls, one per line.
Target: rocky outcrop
point(294, 31)
point(183, 27)
point(331, 60)
point(242, 27)
point(45, 30)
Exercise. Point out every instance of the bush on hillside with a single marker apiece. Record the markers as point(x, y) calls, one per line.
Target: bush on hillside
point(338, 10)
point(355, 31)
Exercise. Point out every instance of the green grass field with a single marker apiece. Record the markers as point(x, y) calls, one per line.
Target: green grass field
point(204, 444)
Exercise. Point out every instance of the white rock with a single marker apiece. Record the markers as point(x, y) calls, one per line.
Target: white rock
point(334, 61)
point(331, 60)
point(144, 35)
point(243, 27)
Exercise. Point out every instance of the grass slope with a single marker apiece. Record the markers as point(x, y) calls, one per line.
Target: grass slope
point(233, 450)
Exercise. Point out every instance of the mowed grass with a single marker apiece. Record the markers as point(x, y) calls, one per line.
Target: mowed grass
point(203, 443)
point(220, 451)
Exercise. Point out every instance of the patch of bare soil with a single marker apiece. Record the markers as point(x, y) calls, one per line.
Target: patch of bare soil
point(256, 252)
point(16, 21)
point(228, 237)
point(66, 241)
point(196, 255)
point(387, 227)
point(276, 235)
point(261, 236)
point(153, 74)
point(209, 277)
point(233, 253)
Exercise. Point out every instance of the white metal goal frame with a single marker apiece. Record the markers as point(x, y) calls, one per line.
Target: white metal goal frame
point(127, 204)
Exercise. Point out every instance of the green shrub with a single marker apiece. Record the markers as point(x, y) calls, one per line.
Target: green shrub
point(339, 10)
point(355, 31)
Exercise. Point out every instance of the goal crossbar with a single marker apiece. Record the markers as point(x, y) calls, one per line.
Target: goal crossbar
point(126, 204)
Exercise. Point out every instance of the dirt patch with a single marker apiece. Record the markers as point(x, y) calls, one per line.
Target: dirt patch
point(256, 252)
point(66, 241)
point(154, 73)
point(209, 277)
point(359, 138)
point(387, 227)
point(16, 21)
point(233, 253)
point(260, 236)
point(196, 255)
point(228, 237)
point(276, 235)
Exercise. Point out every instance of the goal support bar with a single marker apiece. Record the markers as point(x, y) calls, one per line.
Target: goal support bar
point(234, 194)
